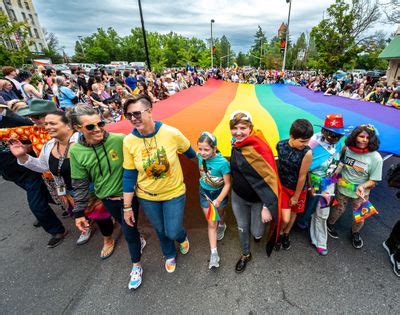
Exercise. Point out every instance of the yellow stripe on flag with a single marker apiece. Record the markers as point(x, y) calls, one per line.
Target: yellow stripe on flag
point(246, 99)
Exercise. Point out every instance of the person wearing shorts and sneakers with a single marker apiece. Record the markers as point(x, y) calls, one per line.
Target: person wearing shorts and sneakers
point(295, 158)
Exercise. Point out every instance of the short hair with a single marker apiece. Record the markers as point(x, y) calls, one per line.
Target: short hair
point(240, 118)
point(142, 98)
point(373, 143)
point(60, 80)
point(81, 109)
point(23, 75)
point(301, 129)
point(7, 70)
point(63, 115)
point(126, 73)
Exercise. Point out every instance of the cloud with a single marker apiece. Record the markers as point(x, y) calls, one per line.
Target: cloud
point(236, 19)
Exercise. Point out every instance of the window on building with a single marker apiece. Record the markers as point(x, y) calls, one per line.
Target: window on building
point(29, 32)
point(20, 3)
point(26, 5)
point(36, 33)
point(36, 47)
point(41, 47)
point(31, 18)
point(23, 15)
point(12, 15)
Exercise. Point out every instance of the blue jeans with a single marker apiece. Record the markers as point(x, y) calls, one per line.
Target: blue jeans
point(167, 219)
point(131, 234)
point(38, 200)
point(304, 218)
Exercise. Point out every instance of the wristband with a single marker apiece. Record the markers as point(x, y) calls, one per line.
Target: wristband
point(127, 206)
point(128, 209)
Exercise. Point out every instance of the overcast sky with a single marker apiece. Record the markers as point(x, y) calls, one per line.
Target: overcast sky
point(236, 19)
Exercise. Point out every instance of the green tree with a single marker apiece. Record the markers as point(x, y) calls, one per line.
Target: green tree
point(13, 52)
point(53, 47)
point(338, 37)
point(242, 59)
point(372, 47)
point(258, 48)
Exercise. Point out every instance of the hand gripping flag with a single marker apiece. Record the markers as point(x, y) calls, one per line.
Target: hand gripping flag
point(212, 213)
point(364, 211)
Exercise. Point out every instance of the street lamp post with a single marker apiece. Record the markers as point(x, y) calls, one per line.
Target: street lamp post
point(212, 45)
point(144, 36)
point(287, 35)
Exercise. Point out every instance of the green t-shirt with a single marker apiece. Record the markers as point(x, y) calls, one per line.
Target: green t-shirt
point(105, 176)
point(358, 169)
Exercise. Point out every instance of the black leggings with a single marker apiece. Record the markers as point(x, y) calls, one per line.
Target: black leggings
point(106, 226)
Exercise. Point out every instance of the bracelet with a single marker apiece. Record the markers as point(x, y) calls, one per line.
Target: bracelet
point(128, 209)
point(127, 206)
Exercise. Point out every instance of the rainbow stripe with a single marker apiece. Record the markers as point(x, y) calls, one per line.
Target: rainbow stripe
point(273, 107)
point(212, 212)
point(364, 211)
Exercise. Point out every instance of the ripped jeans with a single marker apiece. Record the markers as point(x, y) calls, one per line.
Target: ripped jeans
point(248, 218)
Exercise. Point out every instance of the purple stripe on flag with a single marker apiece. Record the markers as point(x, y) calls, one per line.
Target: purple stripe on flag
point(387, 115)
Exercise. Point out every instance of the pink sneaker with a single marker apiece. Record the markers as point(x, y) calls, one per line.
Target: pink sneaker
point(322, 251)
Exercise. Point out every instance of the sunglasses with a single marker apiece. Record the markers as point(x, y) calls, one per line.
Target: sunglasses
point(91, 127)
point(137, 114)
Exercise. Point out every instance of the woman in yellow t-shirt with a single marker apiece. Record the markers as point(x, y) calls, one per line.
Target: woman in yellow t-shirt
point(153, 172)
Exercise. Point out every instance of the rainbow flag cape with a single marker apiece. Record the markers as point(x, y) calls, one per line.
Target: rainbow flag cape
point(364, 211)
point(273, 106)
point(212, 213)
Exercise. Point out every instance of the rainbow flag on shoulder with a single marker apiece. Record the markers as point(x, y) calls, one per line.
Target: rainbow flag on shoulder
point(364, 211)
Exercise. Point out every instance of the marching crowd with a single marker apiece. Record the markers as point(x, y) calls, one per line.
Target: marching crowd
point(359, 87)
point(63, 155)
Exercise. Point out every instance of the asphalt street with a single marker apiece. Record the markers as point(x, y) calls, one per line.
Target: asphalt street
point(70, 279)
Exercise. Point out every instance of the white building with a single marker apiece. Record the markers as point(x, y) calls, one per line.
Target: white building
point(20, 10)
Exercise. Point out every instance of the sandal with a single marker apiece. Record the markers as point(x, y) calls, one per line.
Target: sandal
point(107, 250)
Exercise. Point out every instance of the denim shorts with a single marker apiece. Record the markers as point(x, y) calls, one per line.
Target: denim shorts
point(212, 194)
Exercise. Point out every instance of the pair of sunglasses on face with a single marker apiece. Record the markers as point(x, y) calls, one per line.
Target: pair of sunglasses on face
point(91, 127)
point(136, 114)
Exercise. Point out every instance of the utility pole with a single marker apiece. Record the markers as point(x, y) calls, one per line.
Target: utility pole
point(287, 35)
point(144, 36)
point(212, 45)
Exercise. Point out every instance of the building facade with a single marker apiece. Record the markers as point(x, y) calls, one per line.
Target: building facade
point(20, 10)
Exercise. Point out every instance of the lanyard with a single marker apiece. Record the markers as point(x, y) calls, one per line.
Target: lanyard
point(63, 157)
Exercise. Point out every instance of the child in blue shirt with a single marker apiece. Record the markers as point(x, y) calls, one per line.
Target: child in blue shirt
point(215, 183)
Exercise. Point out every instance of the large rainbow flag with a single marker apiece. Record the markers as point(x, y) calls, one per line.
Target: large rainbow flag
point(273, 107)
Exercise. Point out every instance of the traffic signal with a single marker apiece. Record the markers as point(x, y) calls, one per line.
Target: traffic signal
point(214, 50)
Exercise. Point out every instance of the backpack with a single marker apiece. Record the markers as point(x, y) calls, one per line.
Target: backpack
point(393, 176)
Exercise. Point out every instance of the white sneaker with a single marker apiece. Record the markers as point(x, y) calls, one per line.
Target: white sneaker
point(142, 243)
point(214, 261)
point(136, 277)
point(85, 236)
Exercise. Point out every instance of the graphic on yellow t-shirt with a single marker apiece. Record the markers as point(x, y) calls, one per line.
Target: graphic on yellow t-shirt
point(155, 162)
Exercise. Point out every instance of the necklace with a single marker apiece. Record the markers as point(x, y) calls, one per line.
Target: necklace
point(147, 146)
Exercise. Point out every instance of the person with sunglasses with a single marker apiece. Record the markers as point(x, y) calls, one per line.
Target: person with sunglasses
point(326, 148)
point(153, 173)
point(97, 158)
point(362, 169)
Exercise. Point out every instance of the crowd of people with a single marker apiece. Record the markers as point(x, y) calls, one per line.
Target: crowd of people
point(61, 154)
point(359, 87)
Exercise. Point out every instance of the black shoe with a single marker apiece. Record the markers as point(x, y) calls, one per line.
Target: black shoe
point(57, 239)
point(278, 243)
point(396, 264)
point(389, 250)
point(37, 224)
point(241, 264)
point(357, 240)
point(65, 214)
point(332, 231)
point(285, 242)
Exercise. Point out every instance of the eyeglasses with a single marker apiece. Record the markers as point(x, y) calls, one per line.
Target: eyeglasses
point(91, 127)
point(137, 114)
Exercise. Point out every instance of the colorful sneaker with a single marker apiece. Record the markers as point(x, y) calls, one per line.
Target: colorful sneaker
point(142, 243)
point(136, 277)
point(170, 265)
point(322, 251)
point(184, 246)
point(357, 240)
point(221, 231)
point(214, 261)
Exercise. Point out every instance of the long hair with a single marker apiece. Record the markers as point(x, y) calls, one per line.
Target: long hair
point(373, 143)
